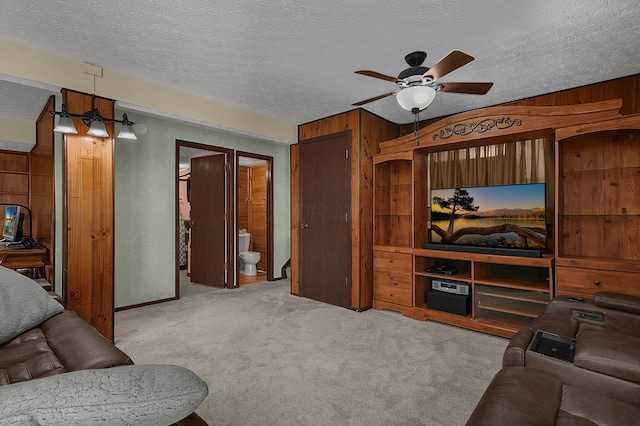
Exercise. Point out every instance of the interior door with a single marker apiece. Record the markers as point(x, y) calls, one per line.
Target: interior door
point(325, 219)
point(208, 232)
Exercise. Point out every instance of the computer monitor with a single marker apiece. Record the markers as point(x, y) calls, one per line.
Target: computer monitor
point(13, 222)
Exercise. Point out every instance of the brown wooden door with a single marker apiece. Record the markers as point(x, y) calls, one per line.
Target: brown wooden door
point(208, 242)
point(325, 219)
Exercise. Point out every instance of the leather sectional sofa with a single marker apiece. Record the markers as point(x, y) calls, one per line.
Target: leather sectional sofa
point(576, 364)
point(61, 344)
point(63, 363)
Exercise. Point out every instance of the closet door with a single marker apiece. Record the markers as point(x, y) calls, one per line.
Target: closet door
point(325, 219)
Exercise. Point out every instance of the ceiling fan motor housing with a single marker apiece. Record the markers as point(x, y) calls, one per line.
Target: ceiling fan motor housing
point(413, 71)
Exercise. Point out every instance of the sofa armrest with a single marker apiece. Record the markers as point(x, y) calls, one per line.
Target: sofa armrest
point(151, 395)
point(514, 355)
point(617, 301)
point(78, 345)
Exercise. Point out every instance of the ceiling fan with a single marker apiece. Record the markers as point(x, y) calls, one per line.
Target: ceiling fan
point(417, 85)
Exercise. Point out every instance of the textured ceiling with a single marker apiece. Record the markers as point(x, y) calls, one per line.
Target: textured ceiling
point(295, 59)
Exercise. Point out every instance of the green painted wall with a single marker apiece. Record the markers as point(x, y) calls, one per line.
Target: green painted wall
point(145, 204)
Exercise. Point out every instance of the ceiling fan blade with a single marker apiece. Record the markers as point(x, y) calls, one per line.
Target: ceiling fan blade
point(366, 101)
point(375, 74)
point(469, 88)
point(451, 62)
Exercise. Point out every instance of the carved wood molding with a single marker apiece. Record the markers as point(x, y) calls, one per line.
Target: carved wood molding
point(481, 124)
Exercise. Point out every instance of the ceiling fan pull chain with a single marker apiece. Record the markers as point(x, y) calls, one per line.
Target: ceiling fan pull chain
point(416, 123)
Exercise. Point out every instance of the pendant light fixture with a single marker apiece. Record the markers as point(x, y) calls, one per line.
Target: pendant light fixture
point(94, 121)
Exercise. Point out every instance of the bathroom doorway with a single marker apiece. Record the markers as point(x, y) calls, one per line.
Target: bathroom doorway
point(254, 217)
point(205, 240)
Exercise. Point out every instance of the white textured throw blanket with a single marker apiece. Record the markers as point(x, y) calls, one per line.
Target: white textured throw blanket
point(153, 395)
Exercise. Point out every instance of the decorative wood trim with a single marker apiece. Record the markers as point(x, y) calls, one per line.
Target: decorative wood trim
point(625, 122)
point(483, 126)
point(530, 119)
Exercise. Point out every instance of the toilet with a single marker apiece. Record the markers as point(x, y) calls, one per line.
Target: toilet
point(248, 259)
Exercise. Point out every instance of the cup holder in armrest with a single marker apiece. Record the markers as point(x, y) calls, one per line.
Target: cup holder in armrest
point(554, 346)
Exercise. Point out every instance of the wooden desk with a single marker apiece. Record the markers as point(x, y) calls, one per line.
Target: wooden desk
point(22, 258)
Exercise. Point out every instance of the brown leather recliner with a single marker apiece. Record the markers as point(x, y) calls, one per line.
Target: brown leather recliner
point(61, 344)
point(527, 397)
point(591, 353)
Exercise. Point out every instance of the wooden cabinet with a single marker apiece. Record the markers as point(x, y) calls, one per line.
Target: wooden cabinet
point(393, 283)
point(598, 207)
point(584, 281)
point(398, 181)
point(594, 230)
point(507, 292)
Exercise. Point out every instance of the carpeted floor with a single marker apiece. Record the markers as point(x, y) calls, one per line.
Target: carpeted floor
point(271, 358)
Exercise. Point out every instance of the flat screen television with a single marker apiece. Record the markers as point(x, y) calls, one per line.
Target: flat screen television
point(509, 217)
point(12, 226)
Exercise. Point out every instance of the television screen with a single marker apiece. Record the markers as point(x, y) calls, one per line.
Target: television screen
point(503, 216)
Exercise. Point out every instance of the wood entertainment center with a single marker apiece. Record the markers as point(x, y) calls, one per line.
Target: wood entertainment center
point(594, 231)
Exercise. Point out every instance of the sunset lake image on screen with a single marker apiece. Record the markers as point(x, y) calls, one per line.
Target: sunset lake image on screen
point(515, 212)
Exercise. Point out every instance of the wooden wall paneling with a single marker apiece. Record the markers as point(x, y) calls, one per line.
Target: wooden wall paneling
point(295, 217)
point(356, 214)
point(42, 198)
point(258, 212)
point(14, 177)
point(89, 217)
point(243, 197)
point(336, 123)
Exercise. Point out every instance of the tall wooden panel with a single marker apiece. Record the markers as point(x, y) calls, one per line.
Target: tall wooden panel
point(294, 155)
point(88, 217)
point(243, 197)
point(258, 212)
point(41, 184)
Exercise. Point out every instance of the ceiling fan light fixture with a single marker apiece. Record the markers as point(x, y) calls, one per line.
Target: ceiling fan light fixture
point(415, 97)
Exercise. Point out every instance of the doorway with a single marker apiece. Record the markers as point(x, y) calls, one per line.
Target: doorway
point(205, 240)
point(254, 212)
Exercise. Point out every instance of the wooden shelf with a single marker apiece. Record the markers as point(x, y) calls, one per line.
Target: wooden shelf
point(510, 326)
point(506, 293)
point(491, 326)
point(545, 261)
point(511, 311)
point(456, 277)
point(515, 283)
